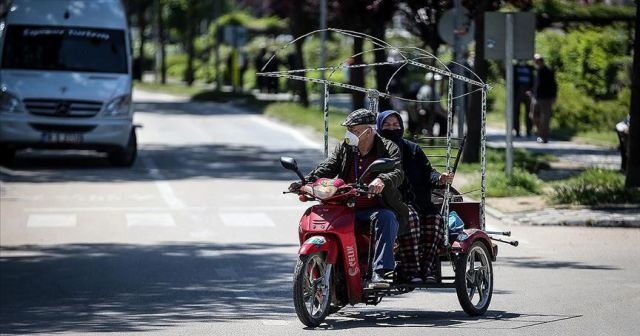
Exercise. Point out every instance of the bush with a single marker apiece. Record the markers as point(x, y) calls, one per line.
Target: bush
point(594, 187)
point(498, 184)
point(521, 183)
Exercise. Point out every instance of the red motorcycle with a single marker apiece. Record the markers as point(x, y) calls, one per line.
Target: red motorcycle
point(335, 255)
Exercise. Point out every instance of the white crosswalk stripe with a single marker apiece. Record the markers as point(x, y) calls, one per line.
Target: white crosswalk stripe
point(52, 220)
point(150, 219)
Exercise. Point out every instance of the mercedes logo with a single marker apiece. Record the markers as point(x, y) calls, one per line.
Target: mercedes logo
point(63, 108)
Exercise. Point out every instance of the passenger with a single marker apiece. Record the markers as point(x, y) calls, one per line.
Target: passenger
point(418, 247)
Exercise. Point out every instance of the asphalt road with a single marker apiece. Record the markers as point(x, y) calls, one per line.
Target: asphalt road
point(197, 239)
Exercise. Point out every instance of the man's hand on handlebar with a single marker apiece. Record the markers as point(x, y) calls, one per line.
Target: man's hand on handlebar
point(295, 186)
point(375, 187)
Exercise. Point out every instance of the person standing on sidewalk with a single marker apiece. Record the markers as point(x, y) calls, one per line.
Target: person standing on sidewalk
point(545, 91)
point(522, 86)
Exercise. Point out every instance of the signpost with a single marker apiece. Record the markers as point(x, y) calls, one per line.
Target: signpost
point(236, 37)
point(504, 42)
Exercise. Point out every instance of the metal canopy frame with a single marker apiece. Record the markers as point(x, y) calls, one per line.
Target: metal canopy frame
point(409, 57)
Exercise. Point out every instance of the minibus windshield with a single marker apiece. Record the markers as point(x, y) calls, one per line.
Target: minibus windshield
point(64, 49)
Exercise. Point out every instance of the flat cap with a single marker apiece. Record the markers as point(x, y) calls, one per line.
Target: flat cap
point(360, 117)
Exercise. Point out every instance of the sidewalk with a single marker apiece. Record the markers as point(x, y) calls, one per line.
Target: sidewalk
point(572, 158)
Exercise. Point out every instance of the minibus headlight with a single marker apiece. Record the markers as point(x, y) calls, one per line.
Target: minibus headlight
point(9, 103)
point(118, 107)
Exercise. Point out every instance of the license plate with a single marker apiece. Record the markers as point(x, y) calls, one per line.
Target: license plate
point(65, 138)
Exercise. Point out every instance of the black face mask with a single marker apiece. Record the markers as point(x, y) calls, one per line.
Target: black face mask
point(393, 135)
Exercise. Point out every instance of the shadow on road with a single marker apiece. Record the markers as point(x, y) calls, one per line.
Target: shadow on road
point(493, 320)
point(175, 162)
point(192, 108)
point(125, 288)
point(538, 262)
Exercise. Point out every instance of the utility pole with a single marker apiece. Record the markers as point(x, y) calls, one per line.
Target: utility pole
point(458, 56)
point(508, 68)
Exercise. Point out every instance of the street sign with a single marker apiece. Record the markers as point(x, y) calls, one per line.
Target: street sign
point(524, 24)
point(447, 27)
point(235, 36)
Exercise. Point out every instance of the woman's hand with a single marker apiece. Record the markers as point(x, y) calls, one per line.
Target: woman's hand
point(446, 178)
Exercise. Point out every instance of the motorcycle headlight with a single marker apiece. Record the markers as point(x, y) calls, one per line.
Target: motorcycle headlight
point(9, 103)
point(118, 107)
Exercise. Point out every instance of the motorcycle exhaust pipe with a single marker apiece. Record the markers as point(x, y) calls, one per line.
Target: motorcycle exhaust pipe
point(510, 242)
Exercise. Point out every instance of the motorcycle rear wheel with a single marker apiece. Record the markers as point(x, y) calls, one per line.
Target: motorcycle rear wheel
point(474, 280)
point(312, 295)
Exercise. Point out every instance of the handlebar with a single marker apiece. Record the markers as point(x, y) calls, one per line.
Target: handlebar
point(354, 189)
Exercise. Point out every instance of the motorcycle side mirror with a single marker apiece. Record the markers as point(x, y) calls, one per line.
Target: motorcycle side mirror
point(378, 166)
point(290, 163)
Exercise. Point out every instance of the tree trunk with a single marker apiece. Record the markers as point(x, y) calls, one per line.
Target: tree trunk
point(161, 64)
point(188, 75)
point(382, 72)
point(633, 158)
point(142, 25)
point(471, 151)
point(302, 85)
point(297, 29)
point(356, 75)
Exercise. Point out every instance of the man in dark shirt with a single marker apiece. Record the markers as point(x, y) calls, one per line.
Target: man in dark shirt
point(348, 161)
point(545, 91)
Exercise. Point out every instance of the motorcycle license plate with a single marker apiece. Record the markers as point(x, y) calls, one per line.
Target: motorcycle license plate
point(62, 138)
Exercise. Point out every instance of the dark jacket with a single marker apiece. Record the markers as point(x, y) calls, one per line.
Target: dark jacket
point(545, 86)
point(339, 163)
point(419, 175)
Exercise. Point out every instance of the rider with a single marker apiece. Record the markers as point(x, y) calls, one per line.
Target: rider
point(418, 247)
point(348, 161)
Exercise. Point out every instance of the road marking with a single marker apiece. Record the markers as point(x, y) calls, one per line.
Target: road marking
point(52, 220)
point(150, 219)
point(109, 209)
point(246, 220)
point(289, 130)
point(163, 186)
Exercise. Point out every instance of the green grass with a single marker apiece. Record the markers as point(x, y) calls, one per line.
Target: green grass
point(308, 116)
point(594, 187)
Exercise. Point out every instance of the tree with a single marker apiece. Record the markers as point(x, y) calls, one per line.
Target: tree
point(633, 161)
point(370, 17)
point(139, 9)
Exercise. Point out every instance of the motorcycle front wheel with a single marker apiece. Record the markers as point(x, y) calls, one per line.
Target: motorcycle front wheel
point(311, 289)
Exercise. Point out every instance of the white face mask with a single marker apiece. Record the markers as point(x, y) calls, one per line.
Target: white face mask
point(352, 139)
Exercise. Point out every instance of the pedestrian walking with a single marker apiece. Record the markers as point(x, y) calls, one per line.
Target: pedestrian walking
point(545, 91)
point(523, 84)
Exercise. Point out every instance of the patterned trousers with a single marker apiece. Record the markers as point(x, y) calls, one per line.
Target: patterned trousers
point(418, 248)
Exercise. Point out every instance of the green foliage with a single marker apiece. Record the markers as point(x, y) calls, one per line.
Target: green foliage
point(594, 187)
point(522, 159)
point(592, 59)
point(521, 183)
point(564, 8)
point(243, 18)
